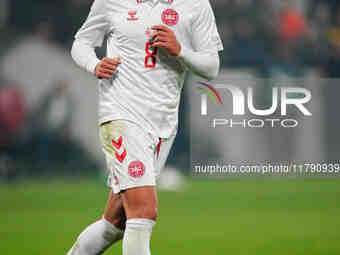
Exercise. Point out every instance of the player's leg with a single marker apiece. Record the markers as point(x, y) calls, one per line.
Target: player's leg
point(136, 179)
point(114, 211)
point(140, 206)
point(130, 154)
point(100, 235)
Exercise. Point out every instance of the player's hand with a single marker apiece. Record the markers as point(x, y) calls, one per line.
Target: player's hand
point(106, 68)
point(164, 37)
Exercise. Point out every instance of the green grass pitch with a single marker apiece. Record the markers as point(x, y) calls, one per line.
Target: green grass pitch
point(265, 217)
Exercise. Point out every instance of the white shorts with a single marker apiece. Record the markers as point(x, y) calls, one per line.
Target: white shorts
point(134, 157)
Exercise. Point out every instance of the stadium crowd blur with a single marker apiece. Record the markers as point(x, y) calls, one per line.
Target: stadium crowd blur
point(267, 36)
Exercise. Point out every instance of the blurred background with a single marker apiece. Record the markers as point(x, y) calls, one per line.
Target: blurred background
point(48, 131)
point(48, 107)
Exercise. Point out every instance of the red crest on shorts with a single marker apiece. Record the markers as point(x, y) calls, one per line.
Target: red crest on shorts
point(136, 169)
point(170, 17)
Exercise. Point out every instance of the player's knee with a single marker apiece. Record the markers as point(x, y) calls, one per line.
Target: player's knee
point(148, 212)
point(118, 221)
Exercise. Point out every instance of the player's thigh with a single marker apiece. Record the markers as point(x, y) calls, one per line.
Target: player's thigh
point(114, 210)
point(140, 202)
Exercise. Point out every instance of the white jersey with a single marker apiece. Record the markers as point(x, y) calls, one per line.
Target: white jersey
point(147, 84)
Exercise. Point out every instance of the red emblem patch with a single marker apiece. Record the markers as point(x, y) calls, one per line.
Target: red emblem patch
point(136, 169)
point(170, 17)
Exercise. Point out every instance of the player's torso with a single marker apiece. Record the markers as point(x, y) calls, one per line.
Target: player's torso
point(148, 82)
point(130, 30)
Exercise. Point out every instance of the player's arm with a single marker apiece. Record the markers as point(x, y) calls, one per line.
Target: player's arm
point(203, 63)
point(89, 36)
point(203, 60)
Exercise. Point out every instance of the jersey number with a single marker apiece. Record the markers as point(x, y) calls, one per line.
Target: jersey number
point(150, 59)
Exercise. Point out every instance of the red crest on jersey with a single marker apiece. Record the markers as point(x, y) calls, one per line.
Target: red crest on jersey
point(136, 169)
point(170, 17)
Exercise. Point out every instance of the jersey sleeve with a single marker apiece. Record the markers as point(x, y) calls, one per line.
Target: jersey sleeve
point(205, 34)
point(95, 27)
